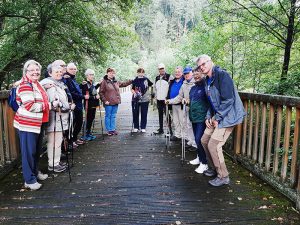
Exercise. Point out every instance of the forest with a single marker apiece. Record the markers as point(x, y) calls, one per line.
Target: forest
point(256, 41)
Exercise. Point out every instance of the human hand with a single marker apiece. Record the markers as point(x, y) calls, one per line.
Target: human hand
point(97, 96)
point(84, 82)
point(86, 97)
point(47, 86)
point(66, 76)
point(72, 106)
point(106, 103)
point(55, 103)
point(215, 123)
point(208, 123)
point(184, 101)
point(167, 101)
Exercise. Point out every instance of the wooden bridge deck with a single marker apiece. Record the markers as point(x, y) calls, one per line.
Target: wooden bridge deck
point(134, 180)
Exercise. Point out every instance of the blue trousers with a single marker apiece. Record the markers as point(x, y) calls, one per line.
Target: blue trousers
point(110, 117)
point(136, 114)
point(198, 129)
point(29, 143)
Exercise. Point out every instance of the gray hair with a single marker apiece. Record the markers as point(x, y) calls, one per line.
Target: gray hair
point(179, 68)
point(58, 62)
point(30, 62)
point(71, 64)
point(53, 68)
point(204, 56)
point(89, 71)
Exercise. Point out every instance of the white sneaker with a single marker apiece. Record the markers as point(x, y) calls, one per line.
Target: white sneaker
point(143, 131)
point(34, 186)
point(201, 168)
point(42, 176)
point(189, 143)
point(195, 161)
point(135, 130)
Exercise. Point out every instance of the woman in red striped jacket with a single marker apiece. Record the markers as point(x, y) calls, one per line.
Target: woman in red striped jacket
point(31, 115)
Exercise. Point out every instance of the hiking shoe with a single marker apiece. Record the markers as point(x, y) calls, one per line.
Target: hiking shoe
point(174, 138)
point(143, 130)
point(201, 168)
point(217, 182)
point(92, 137)
point(86, 138)
point(80, 142)
point(115, 132)
point(42, 176)
point(210, 172)
point(135, 130)
point(159, 132)
point(195, 161)
point(34, 186)
point(75, 145)
point(110, 133)
point(57, 169)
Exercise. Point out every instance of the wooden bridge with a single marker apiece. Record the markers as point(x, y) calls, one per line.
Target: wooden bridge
point(134, 179)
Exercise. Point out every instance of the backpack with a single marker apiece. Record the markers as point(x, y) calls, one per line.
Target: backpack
point(12, 98)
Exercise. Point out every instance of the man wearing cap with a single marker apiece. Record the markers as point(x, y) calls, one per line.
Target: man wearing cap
point(161, 87)
point(183, 97)
point(226, 110)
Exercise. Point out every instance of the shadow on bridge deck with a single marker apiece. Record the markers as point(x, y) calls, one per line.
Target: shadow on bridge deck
point(128, 179)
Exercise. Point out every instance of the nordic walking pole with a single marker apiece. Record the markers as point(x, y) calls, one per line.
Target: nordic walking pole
point(168, 128)
point(65, 141)
point(183, 135)
point(101, 123)
point(54, 131)
point(86, 112)
point(71, 134)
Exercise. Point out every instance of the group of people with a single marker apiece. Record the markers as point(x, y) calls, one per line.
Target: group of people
point(54, 106)
point(205, 107)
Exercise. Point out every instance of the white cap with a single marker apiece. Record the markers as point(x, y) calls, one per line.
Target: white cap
point(161, 66)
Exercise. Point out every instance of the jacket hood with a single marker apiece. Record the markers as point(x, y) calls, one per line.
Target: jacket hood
point(47, 81)
point(106, 78)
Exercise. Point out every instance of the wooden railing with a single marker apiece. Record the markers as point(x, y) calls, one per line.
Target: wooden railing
point(125, 89)
point(267, 142)
point(9, 142)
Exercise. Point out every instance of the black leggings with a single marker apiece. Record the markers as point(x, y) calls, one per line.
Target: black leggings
point(90, 118)
point(77, 123)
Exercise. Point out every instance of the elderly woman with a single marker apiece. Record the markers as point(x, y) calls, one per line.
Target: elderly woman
point(91, 101)
point(110, 96)
point(60, 106)
point(32, 113)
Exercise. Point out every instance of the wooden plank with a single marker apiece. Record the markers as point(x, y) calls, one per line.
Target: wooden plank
point(2, 152)
point(295, 149)
point(12, 135)
point(238, 138)
point(250, 134)
point(244, 139)
point(256, 132)
point(277, 139)
point(286, 143)
point(6, 132)
point(270, 138)
point(262, 134)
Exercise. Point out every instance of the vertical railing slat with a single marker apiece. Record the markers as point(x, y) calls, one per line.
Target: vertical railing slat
point(270, 137)
point(250, 134)
point(2, 153)
point(237, 139)
point(286, 143)
point(277, 139)
point(256, 132)
point(262, 134)
point(245, 128)
point(295, 148)
point(6, 137)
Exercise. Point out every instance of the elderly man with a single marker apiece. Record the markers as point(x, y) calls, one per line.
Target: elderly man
point(161, 87)
point(226, 111)
point(74, 88)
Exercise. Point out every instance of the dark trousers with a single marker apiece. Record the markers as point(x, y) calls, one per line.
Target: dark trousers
point(77, 123)
point(198, 129)
point(161, 106)
point(29, 151)
point(136, 106)
point(90, 118)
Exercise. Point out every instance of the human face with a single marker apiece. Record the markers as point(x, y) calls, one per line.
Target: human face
point(90, 77)
point(33, 72)
point(57, 73)
point(161, 71)
point(111, 74)
point(205, 66)
point(140, 74)
point(178, 73)
point(198, 76)
point(188, 76)
point(60, 63)
point(72, 70)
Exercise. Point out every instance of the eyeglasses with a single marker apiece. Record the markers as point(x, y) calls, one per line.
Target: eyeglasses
point(34, 70)
point(203, 64)
point(63, 65)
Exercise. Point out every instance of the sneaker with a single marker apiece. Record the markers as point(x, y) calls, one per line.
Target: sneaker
point(189, 143)
point(174, 138)
point(57, 169)
point(143, 130)
point(159, 132)
point(86, 138)
point(217, 182)
point(80, 142)
point(110, 133)
point(62, 163)
point(75, 145)
point(115, 132)
point(135, 130)
point(92, 137)
point(42, 176)
point(201, 168)
point(210, 172)
point(34, 186)
point(195, 161)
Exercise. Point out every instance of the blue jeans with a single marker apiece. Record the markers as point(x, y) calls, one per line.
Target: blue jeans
point(110, 117)
point(198, 129)
point(29, 143)
point(136, 111)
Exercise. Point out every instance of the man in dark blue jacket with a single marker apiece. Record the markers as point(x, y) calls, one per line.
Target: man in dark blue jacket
point(226, 110)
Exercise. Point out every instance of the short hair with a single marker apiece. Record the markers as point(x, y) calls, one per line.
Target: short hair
point(140, 70)
point(58, 62)
point(179, 68)
point(30, 62)
point(71, 64)
point(110, 69)
point(88, 72)
point(54, 68)
point(204, 56)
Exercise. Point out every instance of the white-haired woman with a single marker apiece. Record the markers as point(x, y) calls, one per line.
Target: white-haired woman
point(56, 91)
point(32, 114)
point(91, 101)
